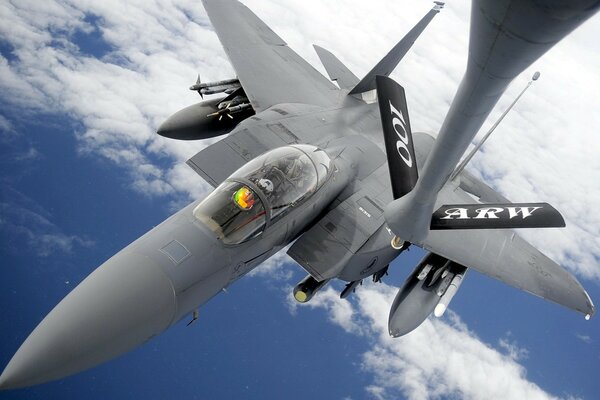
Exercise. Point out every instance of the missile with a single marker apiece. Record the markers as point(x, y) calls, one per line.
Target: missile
point(229, 111)
point(234, 102)
point(424, 272)
point(307, 288)
point(449, 293)
point(350, 287)
point(197, 85)
point(228, 89)
point(444, 283)
point(224, 86)
point(380, 274)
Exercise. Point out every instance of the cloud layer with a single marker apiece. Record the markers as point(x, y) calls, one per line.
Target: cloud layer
point(440, 359)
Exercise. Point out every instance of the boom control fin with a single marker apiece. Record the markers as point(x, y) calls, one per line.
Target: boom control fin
point(496, 216)
point(398, 136)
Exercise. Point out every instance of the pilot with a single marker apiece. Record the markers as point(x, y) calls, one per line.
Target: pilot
point(297, 173)
point(265, 185)
point(295, 168)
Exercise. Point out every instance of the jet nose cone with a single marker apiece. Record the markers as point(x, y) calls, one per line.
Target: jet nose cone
point(122, 304)
point(3, 382)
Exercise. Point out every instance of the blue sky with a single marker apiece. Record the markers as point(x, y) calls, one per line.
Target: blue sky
point(82, 88)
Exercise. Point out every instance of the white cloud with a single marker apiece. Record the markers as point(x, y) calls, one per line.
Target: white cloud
point(440, 359)
point(512, 349)
point(340, 312)
point(115, 98)
point(28, 155)
point(5, 125)
point(277, 267)
point(584, 338)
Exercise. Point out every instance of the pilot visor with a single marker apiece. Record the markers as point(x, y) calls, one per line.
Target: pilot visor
point(244, 198)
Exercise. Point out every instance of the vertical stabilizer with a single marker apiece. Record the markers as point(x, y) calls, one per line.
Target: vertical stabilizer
point(336, 70)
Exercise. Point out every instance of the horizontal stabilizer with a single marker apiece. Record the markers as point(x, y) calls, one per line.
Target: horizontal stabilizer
point(336, 69)
point(398, 136)
point(393, 58)
point(496, 216)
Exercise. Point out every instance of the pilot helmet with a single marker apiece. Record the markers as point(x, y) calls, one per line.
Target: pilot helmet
point(266, 185)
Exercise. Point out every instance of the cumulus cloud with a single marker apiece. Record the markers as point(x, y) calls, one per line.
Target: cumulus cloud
point(512, 349)
point(339, 312)
point(276, 267)
point(118, 100)
point(440, 359)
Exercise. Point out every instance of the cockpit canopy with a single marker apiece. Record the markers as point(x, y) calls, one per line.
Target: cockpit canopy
point(262, 191)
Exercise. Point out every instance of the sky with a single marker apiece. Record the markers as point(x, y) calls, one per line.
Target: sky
point(83, 86)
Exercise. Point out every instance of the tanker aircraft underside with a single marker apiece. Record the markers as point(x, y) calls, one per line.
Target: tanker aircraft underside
point(334, 169)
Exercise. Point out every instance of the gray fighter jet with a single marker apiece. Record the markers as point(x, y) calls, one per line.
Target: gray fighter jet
point(333, 169)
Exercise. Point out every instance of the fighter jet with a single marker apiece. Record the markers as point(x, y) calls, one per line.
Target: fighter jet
point(333, 169)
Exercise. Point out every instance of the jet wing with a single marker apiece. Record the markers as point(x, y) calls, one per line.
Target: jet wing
point(269, 71)
point(504, 255)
